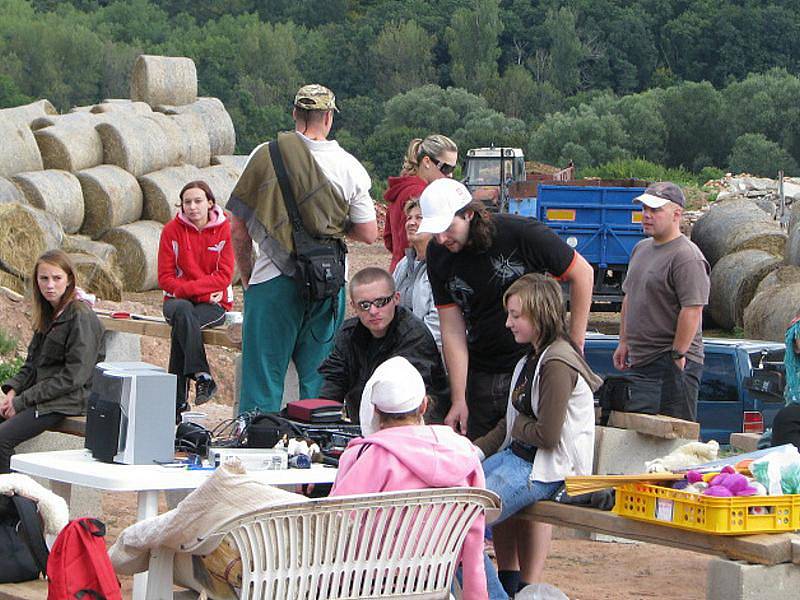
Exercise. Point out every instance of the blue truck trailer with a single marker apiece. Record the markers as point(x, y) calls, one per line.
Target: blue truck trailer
point(596, 217)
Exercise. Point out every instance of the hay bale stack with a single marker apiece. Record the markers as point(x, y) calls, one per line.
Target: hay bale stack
point(782, 276)
point(10, 192)
point(20, 152)
point(194, 145)
point(736, 225)
point(135, 143)
point(791, 253)
point(218, 122)
point(97, 277)
point(70, 147)
point(56, 192)
point(111, 196)
point(81, 244)
point(76, 118)
point(26, 233)
point(221, 180)
point(164, 80)
point(161, 191)
point(12, 282)
point(734, 280)
point(121, 105)
point(237, 161)
point(27, 113)
point(137, 254)
point(770, 312)
point(172, 153)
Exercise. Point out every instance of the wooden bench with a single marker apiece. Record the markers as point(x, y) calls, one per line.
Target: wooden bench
point(28, 590)
point(777, 551)
point(229, 337)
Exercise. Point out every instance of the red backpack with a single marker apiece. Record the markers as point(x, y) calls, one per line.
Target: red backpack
point(79, 565)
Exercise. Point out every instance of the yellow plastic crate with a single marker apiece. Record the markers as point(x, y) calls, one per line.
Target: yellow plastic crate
point(725, 516)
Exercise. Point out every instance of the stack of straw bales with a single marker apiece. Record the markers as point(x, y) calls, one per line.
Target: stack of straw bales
point(110, 171)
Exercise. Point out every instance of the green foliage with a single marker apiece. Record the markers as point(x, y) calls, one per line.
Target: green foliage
point(10, 94)
point(637, 168)
point(403, 57)
point(8, 343)
point(566, 50)
point(754, 153)
point(10, 367)
point(472, 42)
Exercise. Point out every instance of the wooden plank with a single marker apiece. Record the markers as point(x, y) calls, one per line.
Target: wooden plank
point(28, 590)
point(765, 549)
point(745, 442)
point(72, 426)
point(660, 426)
point(218, 336)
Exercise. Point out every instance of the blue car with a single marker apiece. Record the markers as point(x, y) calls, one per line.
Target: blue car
point(741, 389)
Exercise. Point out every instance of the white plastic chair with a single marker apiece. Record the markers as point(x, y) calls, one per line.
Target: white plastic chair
point(387, 545)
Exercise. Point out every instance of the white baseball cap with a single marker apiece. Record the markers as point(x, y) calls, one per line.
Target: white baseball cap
point(395, 387)
point(439, 202)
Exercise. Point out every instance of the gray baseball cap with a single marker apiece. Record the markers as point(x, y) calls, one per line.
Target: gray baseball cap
point(658, 194)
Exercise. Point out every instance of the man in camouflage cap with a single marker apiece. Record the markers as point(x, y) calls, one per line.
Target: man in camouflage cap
point(279, 324)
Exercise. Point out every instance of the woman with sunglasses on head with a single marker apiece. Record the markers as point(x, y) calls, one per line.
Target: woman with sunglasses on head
point(548, 431)
point(55, 380)
point(426, 160)
point(195, 270)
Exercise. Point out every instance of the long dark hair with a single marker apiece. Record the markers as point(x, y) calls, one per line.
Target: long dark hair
point(43, 311)
point(481, 228)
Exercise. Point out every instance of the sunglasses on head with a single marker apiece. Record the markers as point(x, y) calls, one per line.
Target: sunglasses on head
point(444, 168)
point(378, 303)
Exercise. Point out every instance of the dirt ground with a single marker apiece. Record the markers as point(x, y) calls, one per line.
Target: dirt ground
point(582, 569)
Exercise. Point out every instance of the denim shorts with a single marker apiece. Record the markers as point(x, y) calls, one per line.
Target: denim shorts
point(508, 476)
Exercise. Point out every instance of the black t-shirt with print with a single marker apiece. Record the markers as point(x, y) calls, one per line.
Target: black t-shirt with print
point(476, 282)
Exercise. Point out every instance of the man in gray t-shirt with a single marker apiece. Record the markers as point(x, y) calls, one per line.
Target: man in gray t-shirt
point(667, 285)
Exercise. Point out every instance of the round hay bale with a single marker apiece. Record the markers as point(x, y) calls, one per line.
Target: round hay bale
point(80, 109)
point(12, 282)
point(137, 144)
point(173, 152)
point(10, 192)
point(27, 113)
point(218, 122)
point(26, 233)
point(734, 280)
point(770, 312)
point(57, 192)
point(76, 118)
point(20, 152)
point(70, 147)
point(221, 180)
point(161, 191)
point(137, 254)
point(121, 105)
point(237, 161)
point(164, 80)
point(81, 244)
point(111, 196)
point(194, 146)
point(784, 275)
point(736, 225)
point(97, 277)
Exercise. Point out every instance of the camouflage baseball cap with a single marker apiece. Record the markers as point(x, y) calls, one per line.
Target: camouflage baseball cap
point(315, 97)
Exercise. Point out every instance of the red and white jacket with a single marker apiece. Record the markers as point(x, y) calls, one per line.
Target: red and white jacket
point(194, 263)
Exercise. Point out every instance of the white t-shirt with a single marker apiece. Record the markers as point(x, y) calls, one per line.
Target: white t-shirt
point(350, 179)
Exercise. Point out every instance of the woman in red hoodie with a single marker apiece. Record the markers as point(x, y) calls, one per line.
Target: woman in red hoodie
point(195, 270)
point(426, 160)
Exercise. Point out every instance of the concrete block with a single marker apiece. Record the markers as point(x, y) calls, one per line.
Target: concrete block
point(622, 451)
point(122, 347)
point(291, 386)
point(83, 502)
point(745, 442)
point(732, 580)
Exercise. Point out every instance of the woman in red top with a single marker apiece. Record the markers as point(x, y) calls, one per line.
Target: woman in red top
point(425, 160)
point(195, 270)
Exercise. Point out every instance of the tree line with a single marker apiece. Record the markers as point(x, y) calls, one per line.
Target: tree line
point(687, 83)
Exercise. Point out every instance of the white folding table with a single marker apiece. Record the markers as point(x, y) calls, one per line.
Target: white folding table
point(65, 468)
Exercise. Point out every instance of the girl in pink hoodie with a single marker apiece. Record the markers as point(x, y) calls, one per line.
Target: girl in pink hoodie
point(400, 452)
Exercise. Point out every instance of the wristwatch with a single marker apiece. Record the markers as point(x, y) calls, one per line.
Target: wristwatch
point(676, 355)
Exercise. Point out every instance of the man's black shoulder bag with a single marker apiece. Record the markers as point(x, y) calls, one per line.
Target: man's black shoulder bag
point(320, 262)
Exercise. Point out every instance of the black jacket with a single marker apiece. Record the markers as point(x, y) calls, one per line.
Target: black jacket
point(57, 374)
point(356, 354)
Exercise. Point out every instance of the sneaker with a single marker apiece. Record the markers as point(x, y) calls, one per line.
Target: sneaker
point(204, 389)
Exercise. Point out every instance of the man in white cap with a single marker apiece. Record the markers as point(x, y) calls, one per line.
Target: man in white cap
point(399, 452)
point(473, 259)
point(660, 336)
point(331, 190)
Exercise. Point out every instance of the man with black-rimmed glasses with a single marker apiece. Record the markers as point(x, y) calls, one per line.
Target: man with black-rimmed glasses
point(381, 329)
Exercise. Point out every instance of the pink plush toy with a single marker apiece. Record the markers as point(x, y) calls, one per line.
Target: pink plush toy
point(729, 483)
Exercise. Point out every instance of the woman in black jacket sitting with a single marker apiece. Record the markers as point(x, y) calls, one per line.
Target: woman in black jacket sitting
point(56, 378)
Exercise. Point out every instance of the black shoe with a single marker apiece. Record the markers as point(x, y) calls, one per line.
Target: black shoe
point(204, 390)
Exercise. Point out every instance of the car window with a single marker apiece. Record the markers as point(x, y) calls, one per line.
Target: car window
point(719, 379)
point(771, 356)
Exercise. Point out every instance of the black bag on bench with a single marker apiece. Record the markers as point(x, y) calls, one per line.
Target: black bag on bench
point(23, 551)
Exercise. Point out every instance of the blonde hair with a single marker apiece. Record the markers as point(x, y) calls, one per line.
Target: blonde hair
point(43, 311)
point(411, 204)
point(432, 146)
point(542, 304)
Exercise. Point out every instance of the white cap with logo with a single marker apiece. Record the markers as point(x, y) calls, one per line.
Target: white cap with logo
point(439, 202)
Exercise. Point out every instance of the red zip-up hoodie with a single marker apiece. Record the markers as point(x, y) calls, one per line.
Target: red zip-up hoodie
point(194, 263)
point(401, 189)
